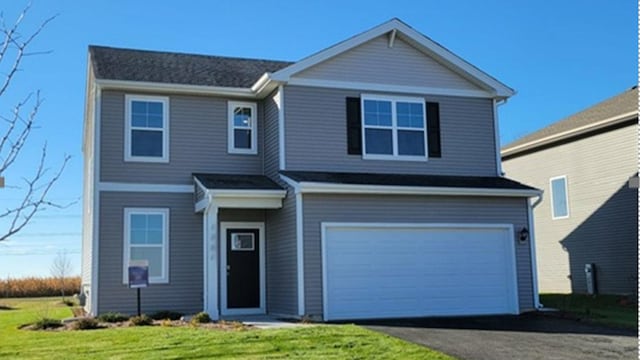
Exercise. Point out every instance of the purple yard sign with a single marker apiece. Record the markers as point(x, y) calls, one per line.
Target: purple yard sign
point(138, 273)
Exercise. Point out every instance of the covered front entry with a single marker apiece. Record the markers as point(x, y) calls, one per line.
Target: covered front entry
point(373, 270)
point(242, 268)
point(234, 251)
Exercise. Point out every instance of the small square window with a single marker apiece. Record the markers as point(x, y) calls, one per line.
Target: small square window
point(242, 242)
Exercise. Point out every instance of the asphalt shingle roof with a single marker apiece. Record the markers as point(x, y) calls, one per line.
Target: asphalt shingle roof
point(479, 182)
point(176, 68)
point(620, 104)
point(237, 182)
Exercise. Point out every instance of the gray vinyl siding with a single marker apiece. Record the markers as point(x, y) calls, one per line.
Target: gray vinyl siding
point(282, 291)
point(408, 209)
point(602, 227)
point(198, 128)
point(316, 138)
point(271, 135)
point(184, 291)
point(376, 62)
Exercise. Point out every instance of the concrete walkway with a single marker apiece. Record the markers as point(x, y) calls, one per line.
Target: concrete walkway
point(265, 321)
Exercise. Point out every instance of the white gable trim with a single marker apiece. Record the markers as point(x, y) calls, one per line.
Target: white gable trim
point(427, 45)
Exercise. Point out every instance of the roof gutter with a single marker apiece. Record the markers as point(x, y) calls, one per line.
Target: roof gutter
point(569, 133)
point(175, 88)
point(335, 188)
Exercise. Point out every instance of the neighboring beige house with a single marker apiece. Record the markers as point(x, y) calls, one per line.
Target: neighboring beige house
point(587, 165)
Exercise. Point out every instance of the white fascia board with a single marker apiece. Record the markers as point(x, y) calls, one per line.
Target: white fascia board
point(429, 46)
point(280, 194)
point(332, 188)
point(352, 85)
point(569, 133)
point(139, 187)
point(175, 88)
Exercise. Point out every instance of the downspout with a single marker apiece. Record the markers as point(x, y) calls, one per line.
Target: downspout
point(496, 129)
point(532, 251)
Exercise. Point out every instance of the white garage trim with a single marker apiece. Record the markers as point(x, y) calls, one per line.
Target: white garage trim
point(509, 228)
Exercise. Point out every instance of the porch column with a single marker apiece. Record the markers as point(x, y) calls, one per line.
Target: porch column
point(210, 268)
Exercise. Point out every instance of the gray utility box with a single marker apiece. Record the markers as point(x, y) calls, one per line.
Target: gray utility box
point(590, 274)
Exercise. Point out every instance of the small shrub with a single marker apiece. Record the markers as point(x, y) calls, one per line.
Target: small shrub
point(166, 323)
point(47, 323)
point(112, 317)
point(85, 324)
point(201, 318)
point(142, 320)
point(164, 315)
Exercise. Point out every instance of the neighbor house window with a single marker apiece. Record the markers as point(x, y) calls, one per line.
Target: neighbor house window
point(146, 128)
point(393, 128)
point(559, 198)
point(242, 128)
point(146, 237)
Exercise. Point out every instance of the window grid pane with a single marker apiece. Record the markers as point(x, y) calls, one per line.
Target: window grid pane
point(402, 130)
point(147, 241)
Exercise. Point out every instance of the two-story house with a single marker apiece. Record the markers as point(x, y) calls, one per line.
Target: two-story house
point(363, 181)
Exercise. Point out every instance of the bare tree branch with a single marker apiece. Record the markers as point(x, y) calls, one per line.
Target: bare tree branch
point(18, 127)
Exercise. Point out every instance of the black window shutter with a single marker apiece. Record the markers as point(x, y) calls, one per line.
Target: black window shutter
point(354, 128)
point(433, 129)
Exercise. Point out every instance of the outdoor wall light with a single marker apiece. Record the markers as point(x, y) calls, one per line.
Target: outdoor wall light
point(524, 234)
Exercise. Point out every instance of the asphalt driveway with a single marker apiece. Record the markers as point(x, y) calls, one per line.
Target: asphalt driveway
point(528, 336)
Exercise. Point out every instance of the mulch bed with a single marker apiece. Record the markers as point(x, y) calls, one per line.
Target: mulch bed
point(218, 325)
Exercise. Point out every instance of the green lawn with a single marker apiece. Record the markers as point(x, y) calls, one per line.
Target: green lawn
point(605, 309)
point(311, 342)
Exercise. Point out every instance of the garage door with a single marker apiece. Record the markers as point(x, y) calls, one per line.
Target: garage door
point(384, 271)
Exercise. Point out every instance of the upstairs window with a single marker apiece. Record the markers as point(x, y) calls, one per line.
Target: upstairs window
point(559, 198)
point(147, 128)
point(242, 128)
point(393, 128)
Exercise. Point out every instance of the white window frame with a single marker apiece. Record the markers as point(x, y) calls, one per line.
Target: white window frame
point(164, 278)
point(129, 128)
point(394, 128)
point(566, 196)
point(231, 148)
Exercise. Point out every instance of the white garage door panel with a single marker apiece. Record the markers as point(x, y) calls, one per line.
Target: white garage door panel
point(377, 272)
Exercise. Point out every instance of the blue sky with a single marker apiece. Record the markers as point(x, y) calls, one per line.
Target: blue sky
point(560, 56)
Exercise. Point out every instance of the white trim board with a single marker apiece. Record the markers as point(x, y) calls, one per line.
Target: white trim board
point(224, 226)
point(300, 254)
point(141, 187)
point(388, 88)
point(334, 188)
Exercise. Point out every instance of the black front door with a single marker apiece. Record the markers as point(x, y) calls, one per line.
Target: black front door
point(243, 268)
